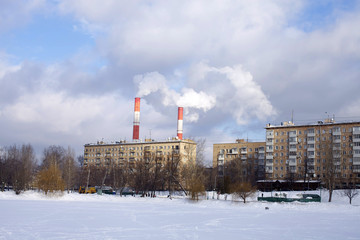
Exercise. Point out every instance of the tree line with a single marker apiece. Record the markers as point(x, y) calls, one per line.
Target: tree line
point(58, 169)
point(21, 171)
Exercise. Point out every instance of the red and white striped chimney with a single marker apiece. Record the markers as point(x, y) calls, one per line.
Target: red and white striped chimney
point(180, 123)
point(136, 128)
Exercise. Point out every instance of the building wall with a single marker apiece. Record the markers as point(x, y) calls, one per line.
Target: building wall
point(302, 151)
point(241, 149)
point(101, 154)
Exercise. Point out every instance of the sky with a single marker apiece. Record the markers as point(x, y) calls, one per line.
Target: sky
point(70, 70)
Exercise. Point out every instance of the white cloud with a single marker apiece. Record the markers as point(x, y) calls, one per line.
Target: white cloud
point(58, 112)
point(229, 89)
point(5, 67)
point(17, 12)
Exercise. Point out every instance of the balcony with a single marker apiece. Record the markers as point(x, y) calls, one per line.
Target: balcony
point(338, 140)
point(269, 134)
point(269, 150)
point(336, 133)
point(311, 149)
point(243, 151)
point(293, 148)
point(292, 157)
point(311, 141)
point(311, 134)
point(261, 156)
point(312, 155)
point(356, 138)
point(269, 157)
point(221, 157)
point(356, 130)
point(292, 134)
point(268, 164)
point(356, 155)
point(243, 157)
point(356, 161)
point(269, 170)
point(356, 147)
point(337, 163)
point(292, 162)
point(233, 151)
point(261, 150)
point(311, 162)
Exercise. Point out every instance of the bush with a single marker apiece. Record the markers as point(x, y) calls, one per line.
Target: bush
point(50, 180)
point(196, 189)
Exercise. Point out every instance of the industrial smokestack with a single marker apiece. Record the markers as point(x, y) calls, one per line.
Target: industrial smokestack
point(136, 128)
point(180, 123)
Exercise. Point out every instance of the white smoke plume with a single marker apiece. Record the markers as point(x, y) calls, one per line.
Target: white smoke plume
point(231, 90)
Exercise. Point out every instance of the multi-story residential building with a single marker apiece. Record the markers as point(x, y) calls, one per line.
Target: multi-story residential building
point(122, 153)
point(305, 151)
point(250, 153)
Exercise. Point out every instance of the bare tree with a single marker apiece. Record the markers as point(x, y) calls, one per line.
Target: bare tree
point(69, 169)
point(173, 167)
point(329, 167)
point(54, 155)
point(243, 190)
point(193, 171)
point(350, 193)
point(18, 167)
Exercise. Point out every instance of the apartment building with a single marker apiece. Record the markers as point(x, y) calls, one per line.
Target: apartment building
point(304, 151)
point(121, 153)
point(250, 153)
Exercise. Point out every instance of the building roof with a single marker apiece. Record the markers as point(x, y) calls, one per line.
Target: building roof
point(147, 141)
point(319, 123)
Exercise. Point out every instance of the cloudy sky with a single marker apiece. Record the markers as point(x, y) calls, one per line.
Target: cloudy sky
point(70, 70)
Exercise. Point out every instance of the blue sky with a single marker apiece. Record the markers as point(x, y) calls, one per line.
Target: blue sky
point(69, 71)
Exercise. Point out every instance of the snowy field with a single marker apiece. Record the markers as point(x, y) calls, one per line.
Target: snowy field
point(73, 216)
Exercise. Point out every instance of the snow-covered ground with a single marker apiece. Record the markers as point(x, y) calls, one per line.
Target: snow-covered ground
point(31, 215)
